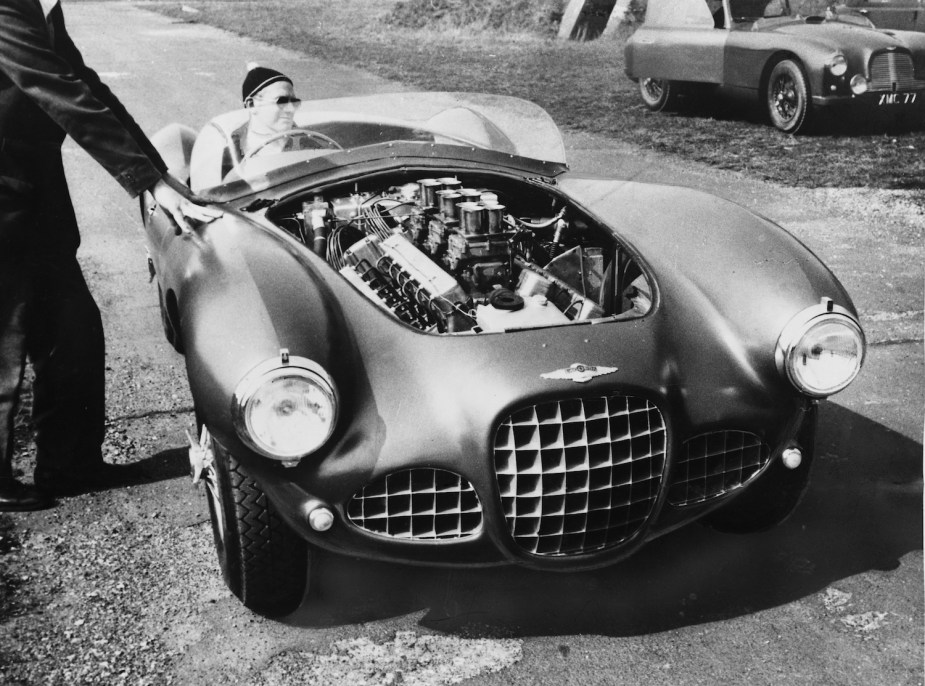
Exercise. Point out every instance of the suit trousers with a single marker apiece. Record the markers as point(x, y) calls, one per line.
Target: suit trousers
point(48, 315)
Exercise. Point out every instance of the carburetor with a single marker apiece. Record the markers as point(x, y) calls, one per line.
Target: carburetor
point(467, 232)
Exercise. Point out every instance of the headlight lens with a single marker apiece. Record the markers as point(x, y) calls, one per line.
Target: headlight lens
point(838, 65)
point(821, 350)
point(859, 84)
point(286, 411)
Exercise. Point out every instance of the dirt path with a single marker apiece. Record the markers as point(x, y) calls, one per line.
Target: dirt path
point(122, 586)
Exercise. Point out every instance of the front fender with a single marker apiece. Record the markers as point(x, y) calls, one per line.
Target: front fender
point(711, 257)
point(243, 293)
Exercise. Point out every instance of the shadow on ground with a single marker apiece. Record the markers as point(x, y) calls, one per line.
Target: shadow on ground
point(863, 511)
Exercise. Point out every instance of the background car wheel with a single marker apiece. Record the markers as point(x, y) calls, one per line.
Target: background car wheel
point(264, 562)
point(658, 94)
point(787, 97)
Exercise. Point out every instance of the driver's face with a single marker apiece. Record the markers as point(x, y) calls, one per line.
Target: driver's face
point(266, 115)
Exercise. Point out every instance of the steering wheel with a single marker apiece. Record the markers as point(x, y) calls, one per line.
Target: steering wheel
point(319, 139)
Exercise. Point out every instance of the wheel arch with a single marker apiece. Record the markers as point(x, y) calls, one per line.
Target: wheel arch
point(171, 316)
point(772, 61)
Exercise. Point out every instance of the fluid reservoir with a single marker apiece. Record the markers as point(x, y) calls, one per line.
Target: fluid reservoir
point(536, 311)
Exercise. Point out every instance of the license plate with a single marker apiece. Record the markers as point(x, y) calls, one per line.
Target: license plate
point(897, 99)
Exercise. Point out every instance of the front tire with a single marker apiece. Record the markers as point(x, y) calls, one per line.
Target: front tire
point(787, 97)
point(264, 562)
point(658, 94)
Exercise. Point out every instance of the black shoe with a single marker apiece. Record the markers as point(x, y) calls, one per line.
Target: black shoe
point(100, 477)
point(18, 497)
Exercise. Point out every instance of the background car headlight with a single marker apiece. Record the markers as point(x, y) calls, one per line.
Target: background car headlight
point(838, 65)
point(859, 84)
point(285, 409)
point(821, 350)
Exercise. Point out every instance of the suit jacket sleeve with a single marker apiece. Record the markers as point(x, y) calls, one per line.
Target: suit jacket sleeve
point(56, 79)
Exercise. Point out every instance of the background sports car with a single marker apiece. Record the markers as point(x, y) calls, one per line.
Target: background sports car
point(795, 55)
point(417, 336)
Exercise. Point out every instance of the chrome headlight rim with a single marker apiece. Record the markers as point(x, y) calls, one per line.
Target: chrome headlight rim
point(795, 330)
point(859, 84)
point(837, 65)
point(272, 370)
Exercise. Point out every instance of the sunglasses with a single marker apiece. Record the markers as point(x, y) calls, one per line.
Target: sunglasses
point(281, 101)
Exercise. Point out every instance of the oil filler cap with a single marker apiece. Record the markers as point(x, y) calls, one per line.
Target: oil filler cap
point(505, 299)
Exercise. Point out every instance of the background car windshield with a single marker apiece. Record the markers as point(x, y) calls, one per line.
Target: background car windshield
point(679, 13)
point(752, 10)
point(492, 122)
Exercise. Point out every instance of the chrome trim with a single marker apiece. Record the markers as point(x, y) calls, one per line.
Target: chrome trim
point(580, 475)
point(715, 464)
point(420, 504)
point(268, 370)
point(892, 71)
point(799, 325)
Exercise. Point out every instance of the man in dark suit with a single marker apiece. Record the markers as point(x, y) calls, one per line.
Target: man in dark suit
point(46, 310)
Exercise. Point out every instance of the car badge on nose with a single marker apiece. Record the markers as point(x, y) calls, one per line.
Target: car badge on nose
point(581, 373)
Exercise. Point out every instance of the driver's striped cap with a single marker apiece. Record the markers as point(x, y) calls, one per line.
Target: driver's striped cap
point(259, 78)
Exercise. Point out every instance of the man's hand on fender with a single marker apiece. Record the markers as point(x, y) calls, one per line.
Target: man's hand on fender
point(176, 199)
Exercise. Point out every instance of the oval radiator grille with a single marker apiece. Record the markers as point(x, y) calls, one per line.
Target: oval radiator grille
point(889, 68)
point(713, 464)
point(418, 504)
point(579, 475)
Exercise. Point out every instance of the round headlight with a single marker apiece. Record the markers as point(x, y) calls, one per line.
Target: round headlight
point(285, 410)
point(821, 350)
point(859, 84)
point(838, 65)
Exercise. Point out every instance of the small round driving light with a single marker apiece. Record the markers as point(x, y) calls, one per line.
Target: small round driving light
point(838, 65)
point(859, 84)
point(821, 349)
point(792, 458)
point(321, 519)
point(285, 409)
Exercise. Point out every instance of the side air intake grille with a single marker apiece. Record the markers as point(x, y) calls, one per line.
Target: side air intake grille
point(418, 504)
point(579, 475)
point(713, 464)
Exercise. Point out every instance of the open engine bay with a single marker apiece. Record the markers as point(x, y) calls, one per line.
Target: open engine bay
point(468, 253)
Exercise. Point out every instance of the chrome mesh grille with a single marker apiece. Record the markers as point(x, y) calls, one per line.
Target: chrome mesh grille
point(888, 68)
point(418, 504)
point(714, 464)
point(579, 475)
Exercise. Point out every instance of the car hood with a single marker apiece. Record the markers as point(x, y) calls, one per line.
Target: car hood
point(836, 34)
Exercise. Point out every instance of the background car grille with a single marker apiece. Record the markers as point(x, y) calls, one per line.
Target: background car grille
point(419, 504)
point(887, 68)
point(715, 463)
point(579, 475)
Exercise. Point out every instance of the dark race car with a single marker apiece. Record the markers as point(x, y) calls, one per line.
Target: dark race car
point(417, 336)
point(794, 55)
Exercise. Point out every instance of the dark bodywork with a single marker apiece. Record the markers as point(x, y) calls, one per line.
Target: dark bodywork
point(696, 372)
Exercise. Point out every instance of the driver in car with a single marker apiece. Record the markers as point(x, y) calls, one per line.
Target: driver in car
point(264, 128)
point(270, 100)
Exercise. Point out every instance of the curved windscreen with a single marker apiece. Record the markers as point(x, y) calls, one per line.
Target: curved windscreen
point(229, 150)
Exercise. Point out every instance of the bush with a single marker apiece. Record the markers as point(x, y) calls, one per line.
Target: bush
point(533, 16)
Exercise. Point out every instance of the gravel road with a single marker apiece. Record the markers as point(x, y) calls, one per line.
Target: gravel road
point(121, 586)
